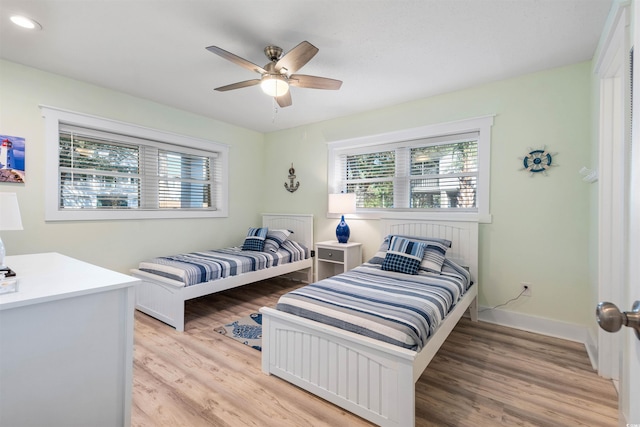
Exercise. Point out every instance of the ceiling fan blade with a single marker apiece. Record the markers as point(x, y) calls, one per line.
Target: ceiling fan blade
point(314, 82)
point(295, 59)
point(236, 59)
point(284, 100)
point(238, 85)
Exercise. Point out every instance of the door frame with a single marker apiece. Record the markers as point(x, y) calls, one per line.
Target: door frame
point(612, 67)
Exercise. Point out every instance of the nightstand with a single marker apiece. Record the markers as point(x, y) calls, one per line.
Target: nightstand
point(334, 258)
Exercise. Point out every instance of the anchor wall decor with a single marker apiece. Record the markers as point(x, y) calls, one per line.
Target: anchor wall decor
point(291, 187)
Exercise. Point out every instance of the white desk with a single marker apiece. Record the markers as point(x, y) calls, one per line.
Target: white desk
point(66, 344)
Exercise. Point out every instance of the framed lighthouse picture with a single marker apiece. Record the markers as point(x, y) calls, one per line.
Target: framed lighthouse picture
point(11, 159)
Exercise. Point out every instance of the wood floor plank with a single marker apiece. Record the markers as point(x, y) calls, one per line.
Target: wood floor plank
point(484, 375)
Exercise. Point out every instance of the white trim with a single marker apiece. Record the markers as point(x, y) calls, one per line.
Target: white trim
point(53, 116)
point(611, 68)
point(480, 124)
point(592, 348)
point(610, 34)
point(544, 326)
point(535, 324)
point(419, 215)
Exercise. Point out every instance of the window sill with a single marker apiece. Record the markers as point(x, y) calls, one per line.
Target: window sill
point(132, 214)
point(435, 216)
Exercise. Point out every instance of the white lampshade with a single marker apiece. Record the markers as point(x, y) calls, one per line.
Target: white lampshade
point(342, 203)
point(9, 212)
point(274, 85)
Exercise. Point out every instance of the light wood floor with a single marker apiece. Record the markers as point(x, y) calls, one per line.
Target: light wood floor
point(484, 375)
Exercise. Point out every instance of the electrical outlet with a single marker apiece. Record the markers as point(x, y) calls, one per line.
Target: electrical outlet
point(525, 288)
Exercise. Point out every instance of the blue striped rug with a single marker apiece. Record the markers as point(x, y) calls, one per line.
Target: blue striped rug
point(247, 330)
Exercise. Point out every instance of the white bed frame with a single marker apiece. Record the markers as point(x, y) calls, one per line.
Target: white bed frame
point(369, 378)
point(164, 298)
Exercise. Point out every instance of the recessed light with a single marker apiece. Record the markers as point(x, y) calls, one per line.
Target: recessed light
point(25, 22)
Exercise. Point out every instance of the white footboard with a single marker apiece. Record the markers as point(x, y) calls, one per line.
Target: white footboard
point(366, 377)
point(164, 302)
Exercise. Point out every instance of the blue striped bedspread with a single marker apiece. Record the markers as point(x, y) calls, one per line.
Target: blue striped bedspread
point(198, 267)
point(397, 308)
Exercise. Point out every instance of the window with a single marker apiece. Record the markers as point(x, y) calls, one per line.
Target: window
point(370, 176)
point(444, 175)
point(434, 170)
point(101, 169)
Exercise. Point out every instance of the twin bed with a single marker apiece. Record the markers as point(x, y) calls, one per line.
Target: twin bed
point(366, 376)
point(164, 296)
point(318, 338)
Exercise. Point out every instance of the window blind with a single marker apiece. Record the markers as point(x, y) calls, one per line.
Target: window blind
point(103, 170)
point(370, 177)
point(430, 173)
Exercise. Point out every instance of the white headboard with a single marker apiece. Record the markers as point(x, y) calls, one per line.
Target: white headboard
point(300, 224)
point(463, 236)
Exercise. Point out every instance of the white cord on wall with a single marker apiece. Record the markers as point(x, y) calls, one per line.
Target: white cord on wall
point(525, 289)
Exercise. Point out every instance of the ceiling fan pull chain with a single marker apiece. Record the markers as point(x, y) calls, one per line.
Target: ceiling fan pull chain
point(275, 110)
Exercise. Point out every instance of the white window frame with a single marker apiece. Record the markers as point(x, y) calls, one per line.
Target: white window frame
point(54, 116)
point(482, 125)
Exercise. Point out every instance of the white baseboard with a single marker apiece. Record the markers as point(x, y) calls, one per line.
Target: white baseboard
point(539, 325)
point(592, 349)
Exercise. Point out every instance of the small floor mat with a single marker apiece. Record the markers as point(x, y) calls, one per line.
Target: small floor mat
point(247, 330)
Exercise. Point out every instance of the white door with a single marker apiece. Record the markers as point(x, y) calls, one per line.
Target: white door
point(619, 195)
point(630, 369)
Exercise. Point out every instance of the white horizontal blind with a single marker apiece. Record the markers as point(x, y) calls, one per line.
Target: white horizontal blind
point(370, 176)
point(445, 175)
point(184, 180)
point(101, 170)
point(431, 173)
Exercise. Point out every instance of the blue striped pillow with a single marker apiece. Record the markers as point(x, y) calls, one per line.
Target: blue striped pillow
point(403, 255)
point(433, 259)
point(387, 240)
point(255, 239)
point(275, 239)
point(378, 257)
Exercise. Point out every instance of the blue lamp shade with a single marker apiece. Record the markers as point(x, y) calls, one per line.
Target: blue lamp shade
point(343, 203)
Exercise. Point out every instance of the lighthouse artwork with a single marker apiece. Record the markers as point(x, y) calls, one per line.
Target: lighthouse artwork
point(11, 158)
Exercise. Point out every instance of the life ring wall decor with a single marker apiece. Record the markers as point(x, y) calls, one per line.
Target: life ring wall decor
point(291, 187)
point(538, 161)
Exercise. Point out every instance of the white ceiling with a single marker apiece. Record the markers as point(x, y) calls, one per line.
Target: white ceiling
point(385, 51)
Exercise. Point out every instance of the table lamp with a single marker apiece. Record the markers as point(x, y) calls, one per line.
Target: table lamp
point(9, 220)
point(342, 203)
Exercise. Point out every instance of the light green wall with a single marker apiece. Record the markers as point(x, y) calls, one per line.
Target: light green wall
point(540, 228)
point(118, 245)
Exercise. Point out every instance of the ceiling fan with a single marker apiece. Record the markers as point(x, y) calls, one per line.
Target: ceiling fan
point(278, 74)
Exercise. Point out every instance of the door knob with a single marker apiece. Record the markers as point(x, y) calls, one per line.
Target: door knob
point(611, 319)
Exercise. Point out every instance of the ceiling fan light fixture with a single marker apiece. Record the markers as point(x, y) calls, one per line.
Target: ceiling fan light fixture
point(274, 85)
point(25, 22)
point(279, 73)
